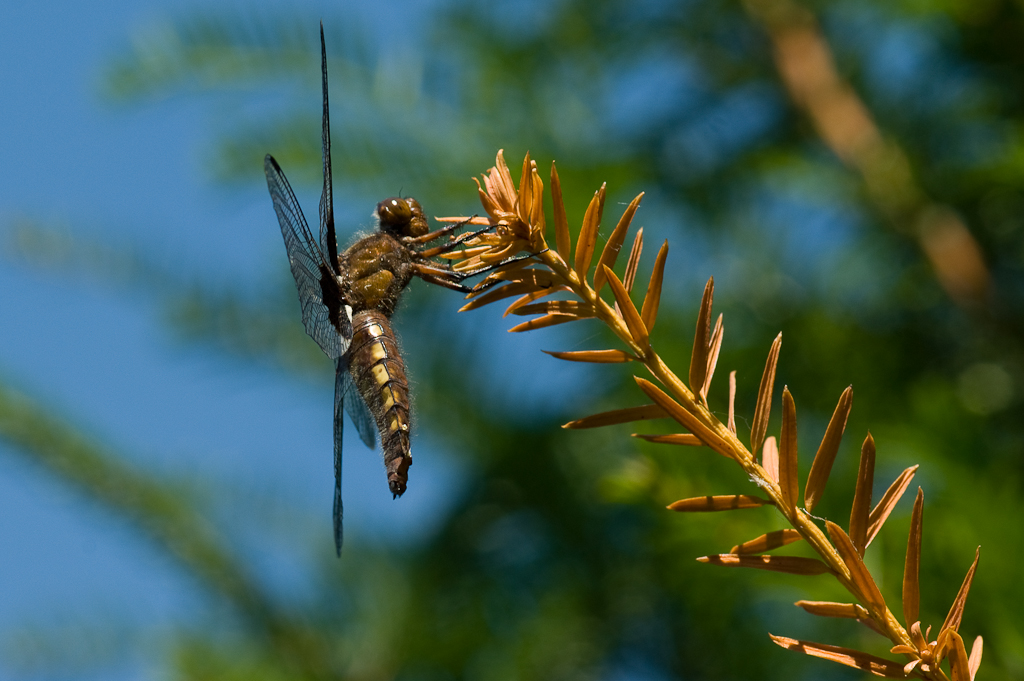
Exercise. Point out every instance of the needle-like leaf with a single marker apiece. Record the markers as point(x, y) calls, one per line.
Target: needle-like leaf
point(767, 542)
point(530, 297)
point(545, 321)
point(628, 309)
point(770, 459)
point(862, 495)
point(573, 307)
point(539, 277)
point(649, 310)
point(678, 439)
point(536, 207)
point(958, 660)
point(716, 346)
point(634, 261)
point(828, 609)
point(702, 340)
point(794, 565)
point(588, 233)
point(596, 356)
point(506, 291)
point(524, 198)
point(759, 426)
point(688, 420)
point(493, 257)
point(562, 240)
point(956, 612)
point(974, 661)
point(683, 439)
point(644, 412)
point(917, 636)
point(469, 252)
point(732, 402)
point(827, 450)
point(888, 501)
point(614, 244)
point(851, 658)
point(912, 567)
point(728, 502)
point(485, 199)
point(788, 480)
point(859, 575)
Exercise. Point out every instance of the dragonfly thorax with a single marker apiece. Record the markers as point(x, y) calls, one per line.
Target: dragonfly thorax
point(375, 269)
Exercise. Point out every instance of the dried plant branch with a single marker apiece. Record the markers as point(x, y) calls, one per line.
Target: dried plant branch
point(516, 217)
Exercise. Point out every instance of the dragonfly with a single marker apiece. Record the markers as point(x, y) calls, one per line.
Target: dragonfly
point(347, 299)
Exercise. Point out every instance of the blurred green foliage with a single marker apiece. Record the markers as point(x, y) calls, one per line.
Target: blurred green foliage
point(557, 559)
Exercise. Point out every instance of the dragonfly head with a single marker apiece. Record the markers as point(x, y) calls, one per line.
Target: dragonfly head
point(402, 217)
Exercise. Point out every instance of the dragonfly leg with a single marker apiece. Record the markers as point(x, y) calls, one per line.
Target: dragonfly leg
point(452, 279)
point(441, 277)
point(498, 265)
point(447, 229)
point(453, 244)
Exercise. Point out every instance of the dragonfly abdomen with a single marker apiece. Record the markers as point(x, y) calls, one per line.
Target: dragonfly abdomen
point(379, 373)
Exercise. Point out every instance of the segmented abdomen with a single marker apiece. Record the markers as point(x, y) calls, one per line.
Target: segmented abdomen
point(379, 373)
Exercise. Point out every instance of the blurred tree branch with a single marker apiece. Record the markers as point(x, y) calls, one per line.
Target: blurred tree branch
point(163, 511)
point(844, 123)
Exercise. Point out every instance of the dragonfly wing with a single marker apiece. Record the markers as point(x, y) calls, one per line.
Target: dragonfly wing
point(313, 278)
point(341, 366)
point(360, 414)
point(328, 237)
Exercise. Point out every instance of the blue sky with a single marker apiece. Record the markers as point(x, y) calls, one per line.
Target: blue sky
point(102, 356)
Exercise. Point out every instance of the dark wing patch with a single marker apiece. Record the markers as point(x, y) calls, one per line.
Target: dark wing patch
point(308, 264)
point(359, 412)
point(328, 237)
point(341, 369)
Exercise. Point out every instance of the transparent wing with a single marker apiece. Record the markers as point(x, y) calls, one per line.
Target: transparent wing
point(357, 410)
point(341, 371)
point(313, 277)
point(328, 237)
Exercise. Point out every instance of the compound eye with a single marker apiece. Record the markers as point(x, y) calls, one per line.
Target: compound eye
point(418, 225)
point(394, 213)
